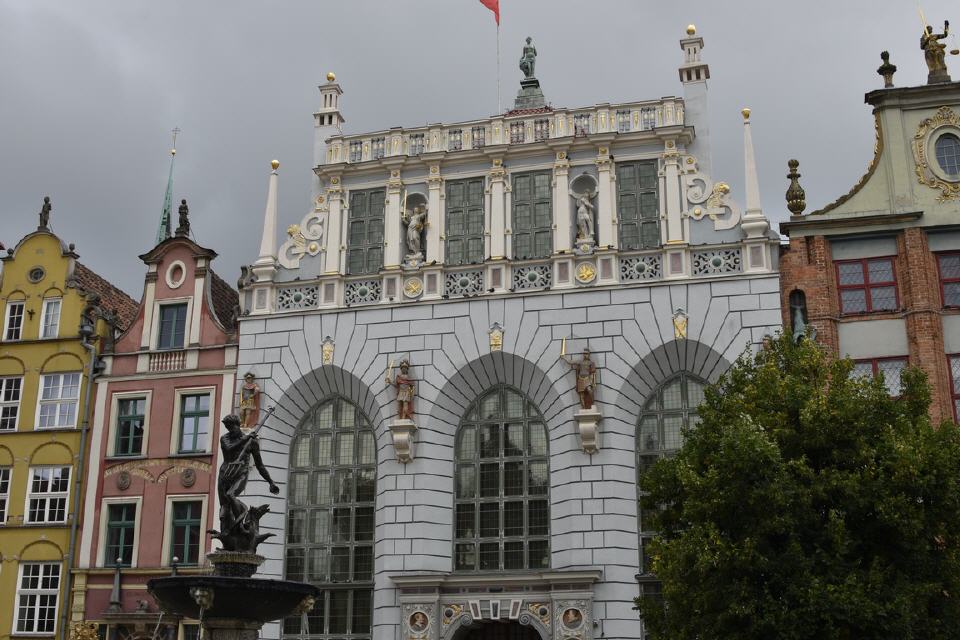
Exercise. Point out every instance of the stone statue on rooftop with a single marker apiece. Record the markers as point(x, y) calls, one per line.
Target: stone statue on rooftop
point(934, 52)
point(183, 224)
point(528, 60)
point(45, 212)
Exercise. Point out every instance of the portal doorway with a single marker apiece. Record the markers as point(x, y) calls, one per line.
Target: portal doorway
point(497, 630)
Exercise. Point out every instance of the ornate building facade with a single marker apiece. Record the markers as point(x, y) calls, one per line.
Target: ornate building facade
point(58, 316)
point(876, 272)
point(151, 487)
point(453, 462)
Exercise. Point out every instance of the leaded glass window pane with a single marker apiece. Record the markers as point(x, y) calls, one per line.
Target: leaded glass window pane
point(532, 215)
point(948, 154)
point(365, 231)
point(465, 221)
point(669, 410)
point(330, 532)
point(638, 207)
point(502, 517)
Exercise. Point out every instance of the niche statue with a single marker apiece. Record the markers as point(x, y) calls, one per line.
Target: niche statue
point(240, 524)
point(416, 220)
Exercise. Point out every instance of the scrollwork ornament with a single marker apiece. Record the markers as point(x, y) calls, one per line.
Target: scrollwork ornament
point(304, 238)
point(928, 173)
point(713, 198)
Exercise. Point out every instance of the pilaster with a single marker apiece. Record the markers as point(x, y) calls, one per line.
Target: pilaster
point(671, 193)
point(498, 216)
point(606, 228)
point(561, 203)
point(394, 248)
point(436, 216)
point(334, 226)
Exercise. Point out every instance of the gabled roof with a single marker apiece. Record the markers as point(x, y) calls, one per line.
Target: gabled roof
point(224, 300)
point(111, 298)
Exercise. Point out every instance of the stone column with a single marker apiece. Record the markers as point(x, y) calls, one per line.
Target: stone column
point(436, 216)
point(561, 203)
point(671, 172)
point(498, 216)
point(606, 229)
point(334, 224)
point(394, 249)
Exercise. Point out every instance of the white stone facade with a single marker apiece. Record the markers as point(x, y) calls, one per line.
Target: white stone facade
point(692, 304)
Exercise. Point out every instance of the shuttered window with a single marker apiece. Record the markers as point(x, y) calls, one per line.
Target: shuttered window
point(464, 224)
point(532, 215)
point(637, 206)
point(365, 236)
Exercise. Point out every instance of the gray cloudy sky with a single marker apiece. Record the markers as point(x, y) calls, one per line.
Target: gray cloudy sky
point(90, 89)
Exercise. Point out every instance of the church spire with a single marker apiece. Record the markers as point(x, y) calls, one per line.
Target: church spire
point(163, 232)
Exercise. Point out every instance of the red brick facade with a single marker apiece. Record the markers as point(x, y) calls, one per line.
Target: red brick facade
point(807, 264)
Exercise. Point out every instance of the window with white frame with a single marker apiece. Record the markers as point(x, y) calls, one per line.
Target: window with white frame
point(59, 396)
point(50, 318)
point(4, 493)
point(10, 394)
point(48, 494)
point(173, 326)
point(194, 422)
point(13, 321)
point(37, 589)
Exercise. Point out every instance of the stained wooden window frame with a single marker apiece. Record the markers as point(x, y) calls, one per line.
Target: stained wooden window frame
point(537, 229)
point(473, 212)
point(371, 246)
point(638, 194)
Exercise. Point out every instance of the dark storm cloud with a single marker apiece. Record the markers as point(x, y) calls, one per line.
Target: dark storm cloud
point(89, 91)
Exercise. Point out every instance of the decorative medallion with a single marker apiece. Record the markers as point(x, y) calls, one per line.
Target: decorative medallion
point(418, 622)
point(572, 618)
point(680, 324)
point(496, 337)
point(327, 350)
point(123, 480)
point(413, 287)
point(451, 612)
point(188, 477)
point(928, 170)
point(541, 610)
point(586, 272)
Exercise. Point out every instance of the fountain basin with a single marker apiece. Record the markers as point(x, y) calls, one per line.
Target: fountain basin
point(235, 598)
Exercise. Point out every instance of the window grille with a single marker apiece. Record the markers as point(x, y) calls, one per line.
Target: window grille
point(623, 121)
point(532, 215)
point(502, 519)
point(365, 235)
point(330, 520)
point(455, 139)
point(648, 118)
point(517, 132)
point(378, 147)
point(479, 135)
point(949, 267)
point(465, 220)
point(416, 144)
point(948, 154)
point(541, 129)
point(581, 124)
point(356, 151)
point(638, 208)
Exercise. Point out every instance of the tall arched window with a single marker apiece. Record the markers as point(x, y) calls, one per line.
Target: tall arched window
point(502, 482)
point(672, 407)
point(330, 519)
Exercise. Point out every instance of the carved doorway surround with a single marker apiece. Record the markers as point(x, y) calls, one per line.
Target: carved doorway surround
point(553, 605)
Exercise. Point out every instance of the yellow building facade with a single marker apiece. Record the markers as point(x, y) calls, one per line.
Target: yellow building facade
point(46, 362)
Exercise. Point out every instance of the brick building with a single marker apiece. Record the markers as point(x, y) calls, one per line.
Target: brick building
point(877, 272)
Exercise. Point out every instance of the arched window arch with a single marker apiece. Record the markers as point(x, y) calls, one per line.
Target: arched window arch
point(330, 519)
point(502, 485)
point(671, 408)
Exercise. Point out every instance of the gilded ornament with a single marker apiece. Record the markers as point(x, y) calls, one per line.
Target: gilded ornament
point(331, 76)
point(275, 164)
point(83, 631)
point(691, 30)
point(679, 324)
point(745, 112)
point(413, 287)
point(586, 272)
point(927, 174)
point(496, 337)
point(451, 612)
point(326, 350)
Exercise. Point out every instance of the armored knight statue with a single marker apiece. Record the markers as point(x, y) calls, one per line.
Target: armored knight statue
point(528, 60)
point(249, 401)
point(240, 524)
point(586, 370)
point(934, 52)
point(406, 390)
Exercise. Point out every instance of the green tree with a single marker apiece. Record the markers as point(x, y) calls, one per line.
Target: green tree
point(807, 504)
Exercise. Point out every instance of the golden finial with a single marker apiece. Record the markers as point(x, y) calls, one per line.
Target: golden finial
point(745, 112)
point(691, 29)
point(275, 164)
point(173, 152)
point(331, 76)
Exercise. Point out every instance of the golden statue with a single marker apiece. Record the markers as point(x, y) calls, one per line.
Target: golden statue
point(934, 52)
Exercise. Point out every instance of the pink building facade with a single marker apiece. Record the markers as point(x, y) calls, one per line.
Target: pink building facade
point(151, 488)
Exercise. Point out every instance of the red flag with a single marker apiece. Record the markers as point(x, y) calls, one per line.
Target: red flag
point(493, 5)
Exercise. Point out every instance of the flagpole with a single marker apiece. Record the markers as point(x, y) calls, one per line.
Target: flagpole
point(499, 105)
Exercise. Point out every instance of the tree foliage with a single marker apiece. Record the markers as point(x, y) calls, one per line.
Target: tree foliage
point(807, 504)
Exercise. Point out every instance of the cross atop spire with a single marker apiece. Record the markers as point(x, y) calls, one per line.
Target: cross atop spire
point(163, 232)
